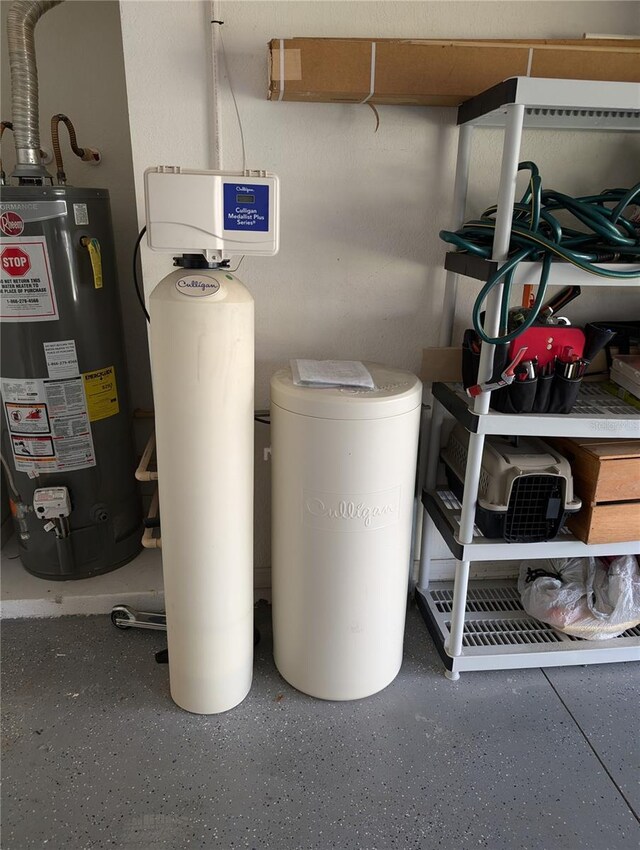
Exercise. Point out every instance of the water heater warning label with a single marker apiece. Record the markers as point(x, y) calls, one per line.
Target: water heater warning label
point(27, 418)
point(48, 424)
point(26, 287)
point(27, 448)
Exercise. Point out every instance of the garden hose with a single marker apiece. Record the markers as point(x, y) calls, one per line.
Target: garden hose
point(608, 236)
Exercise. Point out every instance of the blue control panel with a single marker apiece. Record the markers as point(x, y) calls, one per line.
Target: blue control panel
point(246, 206)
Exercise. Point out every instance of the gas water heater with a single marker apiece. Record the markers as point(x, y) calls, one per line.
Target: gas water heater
point(66, 439)
point(202, 362)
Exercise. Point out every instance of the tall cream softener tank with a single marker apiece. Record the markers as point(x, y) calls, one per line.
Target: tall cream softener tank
point(343, 478)
point(202, 363)
point(202, 355)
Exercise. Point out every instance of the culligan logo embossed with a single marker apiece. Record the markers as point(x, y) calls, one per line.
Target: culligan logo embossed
point(351, 512)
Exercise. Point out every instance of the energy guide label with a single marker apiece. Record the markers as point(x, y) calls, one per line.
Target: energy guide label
point(101, 391)
point(48, 424)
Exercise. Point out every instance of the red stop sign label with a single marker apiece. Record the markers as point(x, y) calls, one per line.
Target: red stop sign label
point(15, 262)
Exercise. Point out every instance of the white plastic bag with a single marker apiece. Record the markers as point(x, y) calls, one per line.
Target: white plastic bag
point(586, 600)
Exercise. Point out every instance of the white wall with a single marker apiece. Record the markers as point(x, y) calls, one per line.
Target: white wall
point(359, 270)
point(81, 73)
point(167, 59)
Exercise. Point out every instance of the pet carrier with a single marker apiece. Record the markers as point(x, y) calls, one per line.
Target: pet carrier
point(526, 487)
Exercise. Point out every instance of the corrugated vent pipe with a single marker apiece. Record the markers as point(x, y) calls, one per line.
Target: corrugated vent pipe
point(21, 22)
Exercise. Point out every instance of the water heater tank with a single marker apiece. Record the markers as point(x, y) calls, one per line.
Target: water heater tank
point(66, 421)
point(343, 478)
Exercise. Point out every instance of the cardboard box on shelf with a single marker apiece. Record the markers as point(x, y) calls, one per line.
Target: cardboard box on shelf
point(619, 392)
point(427, 72)
point(625, 371)
point(441, 364)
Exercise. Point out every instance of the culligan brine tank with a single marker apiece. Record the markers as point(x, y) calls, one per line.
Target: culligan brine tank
point(344, 466)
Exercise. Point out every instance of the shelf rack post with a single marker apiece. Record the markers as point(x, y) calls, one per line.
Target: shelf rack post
point(430, 479)
point(460, 586)
point(502, 238)
point(460, 188)
point(427, 542)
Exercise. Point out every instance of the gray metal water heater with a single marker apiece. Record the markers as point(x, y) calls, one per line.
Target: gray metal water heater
point(67, 448)
point(66, 421)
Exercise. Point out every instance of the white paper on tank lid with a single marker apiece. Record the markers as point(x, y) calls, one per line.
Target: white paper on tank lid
point(397, 392)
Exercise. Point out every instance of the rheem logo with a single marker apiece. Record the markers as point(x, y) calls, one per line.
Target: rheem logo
point(15, 262)
point(11, 224)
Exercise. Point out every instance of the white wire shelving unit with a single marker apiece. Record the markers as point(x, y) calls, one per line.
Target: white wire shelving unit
point(481, 625)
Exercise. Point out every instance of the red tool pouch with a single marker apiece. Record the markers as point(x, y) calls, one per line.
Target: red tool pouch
point(546, 341)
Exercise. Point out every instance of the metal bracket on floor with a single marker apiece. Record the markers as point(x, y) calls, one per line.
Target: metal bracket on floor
point(124, 617)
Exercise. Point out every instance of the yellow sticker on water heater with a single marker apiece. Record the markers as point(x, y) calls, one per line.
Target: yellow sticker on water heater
point(93, 247)
point(101, 391)
point(96, 262)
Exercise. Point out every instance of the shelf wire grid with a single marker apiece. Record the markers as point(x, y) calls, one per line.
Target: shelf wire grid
point(559, 112)
point(592, 401)
point(516, 628)
point(507, 633)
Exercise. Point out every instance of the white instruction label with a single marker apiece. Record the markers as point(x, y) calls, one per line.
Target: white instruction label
point(62, 358)
point(48, 424)
point(26, 286)
point(80, 214)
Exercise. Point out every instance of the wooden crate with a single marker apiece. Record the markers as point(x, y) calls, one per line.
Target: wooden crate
point(615, 522)
point(606, 476)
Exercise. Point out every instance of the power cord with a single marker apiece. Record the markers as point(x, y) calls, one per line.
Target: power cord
point(136, 283)
point(233, 96)
point(239, 264)
point(537, 236)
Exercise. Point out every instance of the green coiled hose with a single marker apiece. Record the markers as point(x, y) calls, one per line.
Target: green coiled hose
point(537, 236)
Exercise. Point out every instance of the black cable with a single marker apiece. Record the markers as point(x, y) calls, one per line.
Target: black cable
point(136, 249)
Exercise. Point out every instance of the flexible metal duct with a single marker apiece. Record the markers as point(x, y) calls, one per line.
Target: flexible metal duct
point(21, 22)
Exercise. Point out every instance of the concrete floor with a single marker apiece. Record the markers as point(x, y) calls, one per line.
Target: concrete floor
point(97, 756)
